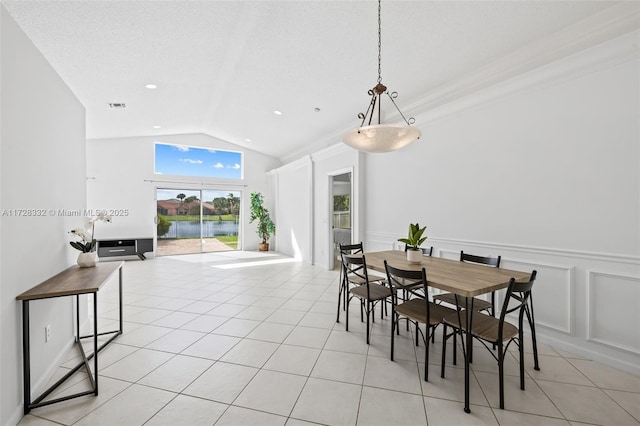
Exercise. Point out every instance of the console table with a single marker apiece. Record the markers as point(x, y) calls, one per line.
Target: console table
point(73, 281)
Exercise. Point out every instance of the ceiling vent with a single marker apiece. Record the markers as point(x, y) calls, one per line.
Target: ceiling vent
point(119, 105)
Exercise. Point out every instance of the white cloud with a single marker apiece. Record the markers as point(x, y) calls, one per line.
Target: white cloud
point(190, 161)
point(213, 151)
point(218, 166)
point(181, 148)
point(235, 166)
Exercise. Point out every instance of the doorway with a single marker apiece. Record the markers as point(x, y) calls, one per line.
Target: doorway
point(341, 213)
point(197, 221)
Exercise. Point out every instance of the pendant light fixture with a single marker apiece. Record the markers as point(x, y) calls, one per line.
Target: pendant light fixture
point(381, 137)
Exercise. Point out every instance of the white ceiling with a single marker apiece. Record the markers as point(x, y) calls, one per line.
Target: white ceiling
point(223, 67)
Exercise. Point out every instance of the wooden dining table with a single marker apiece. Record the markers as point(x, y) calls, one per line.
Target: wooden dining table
point(464, 279)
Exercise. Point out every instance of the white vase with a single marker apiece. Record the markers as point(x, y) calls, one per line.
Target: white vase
point(414, 256)
point(87, 260)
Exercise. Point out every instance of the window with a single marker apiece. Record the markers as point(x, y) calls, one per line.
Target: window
point(185, 160)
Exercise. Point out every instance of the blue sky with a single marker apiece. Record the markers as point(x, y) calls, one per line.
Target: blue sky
point(200, 162)
point(207, 194)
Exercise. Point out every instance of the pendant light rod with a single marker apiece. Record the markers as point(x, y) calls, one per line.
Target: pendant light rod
point(380, 89)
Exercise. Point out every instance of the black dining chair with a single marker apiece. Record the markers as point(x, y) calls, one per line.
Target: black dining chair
point(369, 293)
point(495, 331)
point(416, 311)
point(353, 279)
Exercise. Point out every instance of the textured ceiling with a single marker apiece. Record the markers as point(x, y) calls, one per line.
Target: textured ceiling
point(222, 67)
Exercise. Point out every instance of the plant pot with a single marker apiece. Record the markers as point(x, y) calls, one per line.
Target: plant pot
point(263, 246)
point(414, 256)
point(87, 260)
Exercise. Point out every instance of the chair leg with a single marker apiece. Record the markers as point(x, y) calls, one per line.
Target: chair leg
point(347, 310)
point(532, 325)
point(339, 302)
point(393, 329)
point(426, 352)
point(444, 349)
point(501, 373)
point(455, 346)
point(417, 343)
point(521, 350)
point(368, 315)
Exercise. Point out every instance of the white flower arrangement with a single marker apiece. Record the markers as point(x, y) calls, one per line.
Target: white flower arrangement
point(88, 243)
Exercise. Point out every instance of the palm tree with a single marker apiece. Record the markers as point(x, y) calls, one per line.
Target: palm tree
point(181, 197)
point(234, 204)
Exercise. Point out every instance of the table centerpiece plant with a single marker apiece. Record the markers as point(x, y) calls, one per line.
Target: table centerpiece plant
point(413, 242)
point(87, 244)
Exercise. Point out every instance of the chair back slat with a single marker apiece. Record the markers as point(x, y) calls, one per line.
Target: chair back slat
point(484, 260)
point(426, 251)
point(397, 278)
point(356, 265)
point(518, 291)
point(351, 248)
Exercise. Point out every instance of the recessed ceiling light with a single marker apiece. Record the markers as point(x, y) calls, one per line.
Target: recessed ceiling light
point(276, 112)
point(247, 140)
point(157, 127)
point(151, 86)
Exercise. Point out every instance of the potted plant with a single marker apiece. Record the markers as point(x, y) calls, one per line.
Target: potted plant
point(266, 227)
point(413, 241)
point(87, 244)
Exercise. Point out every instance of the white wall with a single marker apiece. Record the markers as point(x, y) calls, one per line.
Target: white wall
point(293, 192)
point(42, 157)
point(544, 170)
point(121, 176)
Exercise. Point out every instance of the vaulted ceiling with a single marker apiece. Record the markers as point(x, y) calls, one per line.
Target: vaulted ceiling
point(223, 67)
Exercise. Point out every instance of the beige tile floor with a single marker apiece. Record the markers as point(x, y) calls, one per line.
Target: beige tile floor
point(251, 339)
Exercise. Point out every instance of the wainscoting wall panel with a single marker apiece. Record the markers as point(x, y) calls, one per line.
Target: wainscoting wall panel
point(612, 304)
point(553, 293)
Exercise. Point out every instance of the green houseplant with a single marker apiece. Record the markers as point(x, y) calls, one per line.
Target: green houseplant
point(266, 227)
point(413, 241)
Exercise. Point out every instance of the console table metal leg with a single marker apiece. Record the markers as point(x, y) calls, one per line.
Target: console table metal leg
point(120, 296)
point(77, 318)
point(95, 340)
point(26, 357)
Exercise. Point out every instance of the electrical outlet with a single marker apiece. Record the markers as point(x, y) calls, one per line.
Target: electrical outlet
point(47, 333)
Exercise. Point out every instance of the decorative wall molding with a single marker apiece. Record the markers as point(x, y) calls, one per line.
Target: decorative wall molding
point(608, 257)
point(541, 62)
point(592, 315)
point(330, 152)
point(569, 326)
point(300, 163)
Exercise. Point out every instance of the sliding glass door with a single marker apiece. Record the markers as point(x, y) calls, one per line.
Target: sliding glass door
point(197, 220)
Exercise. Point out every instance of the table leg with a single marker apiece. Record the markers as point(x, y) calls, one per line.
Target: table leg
point(95, 340)
point(26, 358)
point(469, 317)
point(120, 296)
point(78, 318)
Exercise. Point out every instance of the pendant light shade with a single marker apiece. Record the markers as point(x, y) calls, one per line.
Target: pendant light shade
point(381, 137)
